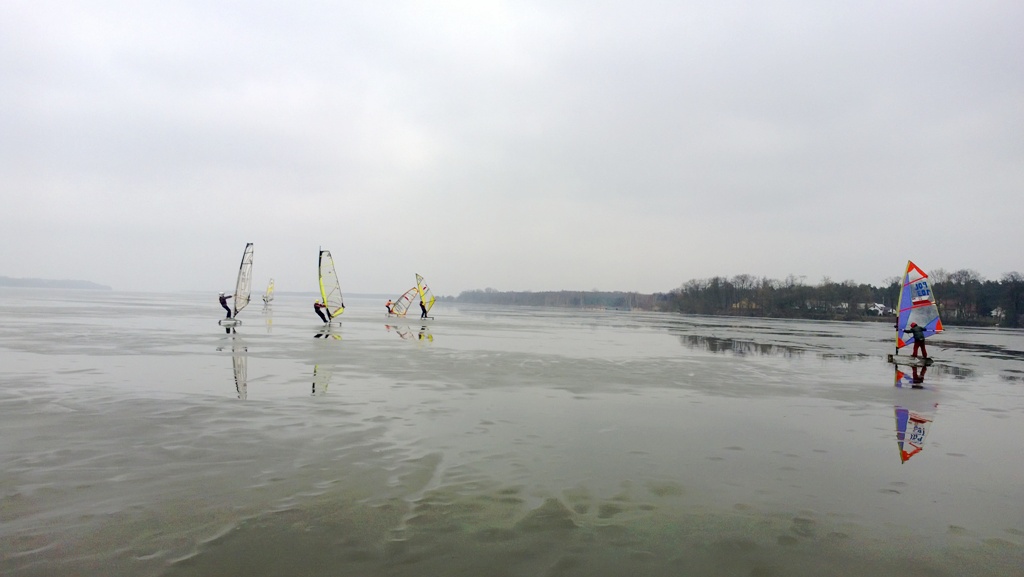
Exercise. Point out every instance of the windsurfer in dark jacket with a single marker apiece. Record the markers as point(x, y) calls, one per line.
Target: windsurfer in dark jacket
point(918, 333)
point(423, 310)
point(224, 303)
point(317, 306)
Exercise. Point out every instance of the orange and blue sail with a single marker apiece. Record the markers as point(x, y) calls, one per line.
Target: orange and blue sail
point(917, 305)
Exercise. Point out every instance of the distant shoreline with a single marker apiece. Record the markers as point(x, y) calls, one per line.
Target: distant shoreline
point(10, 282)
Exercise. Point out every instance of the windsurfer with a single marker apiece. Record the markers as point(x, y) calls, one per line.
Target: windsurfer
point(387, 305)
point(917, 378)
point(317, 306)
point(918, 333)
point(423, 310)
point(224, 303)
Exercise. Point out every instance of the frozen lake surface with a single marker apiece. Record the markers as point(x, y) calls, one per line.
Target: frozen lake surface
point(140, 438)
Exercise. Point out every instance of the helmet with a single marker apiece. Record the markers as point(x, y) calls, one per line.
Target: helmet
point(222, 293)
point(913, 324)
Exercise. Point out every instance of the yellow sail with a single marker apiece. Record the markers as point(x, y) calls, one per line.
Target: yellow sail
point(330, 287)
point(426, 297)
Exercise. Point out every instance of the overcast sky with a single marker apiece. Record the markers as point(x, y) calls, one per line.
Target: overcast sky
point(515, 145)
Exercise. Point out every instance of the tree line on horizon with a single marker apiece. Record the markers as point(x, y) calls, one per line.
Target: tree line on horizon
point(963, 298)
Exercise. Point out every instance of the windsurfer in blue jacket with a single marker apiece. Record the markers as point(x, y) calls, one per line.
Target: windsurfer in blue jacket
point(224, 303)
point(918, 333)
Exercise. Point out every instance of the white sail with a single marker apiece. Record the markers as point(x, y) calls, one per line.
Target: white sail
point(330, 287)
point(402, 303)
point(243, 286)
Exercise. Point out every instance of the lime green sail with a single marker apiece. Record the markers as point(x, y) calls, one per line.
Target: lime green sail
point(330, 287)
point(426, 297)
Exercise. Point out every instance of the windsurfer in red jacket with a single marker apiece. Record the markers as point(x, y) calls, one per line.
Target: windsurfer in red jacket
point(918, 333)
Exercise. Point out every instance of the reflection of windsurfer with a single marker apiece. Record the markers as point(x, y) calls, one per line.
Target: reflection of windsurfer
point(224, 303)
point(317, 306)
point(918, 333)
point(917, 378)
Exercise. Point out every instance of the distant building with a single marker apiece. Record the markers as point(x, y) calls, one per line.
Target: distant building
point(880, 309)
point(745, 304)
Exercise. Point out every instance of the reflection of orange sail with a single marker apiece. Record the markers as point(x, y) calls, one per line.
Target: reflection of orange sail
point(912, 423)
point(911, 429)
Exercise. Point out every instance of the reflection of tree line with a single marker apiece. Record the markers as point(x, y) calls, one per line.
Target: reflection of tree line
point(717, 345)
point(964, 297)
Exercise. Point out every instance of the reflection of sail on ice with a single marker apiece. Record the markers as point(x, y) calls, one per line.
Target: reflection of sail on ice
point(402, 303)
point(911, 428)
point(240, 362)
point(321, 377)
point(426, 297)
point(268, 295)
point(243, 286)
point(917, 305)
point(330, 287)
point(914, 414)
